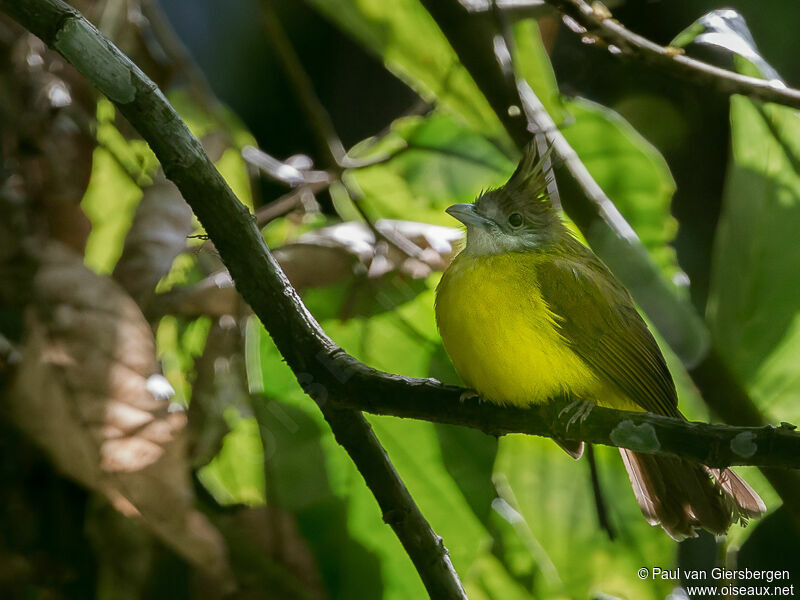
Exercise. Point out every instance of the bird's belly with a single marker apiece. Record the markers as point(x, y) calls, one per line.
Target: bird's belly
point(502, 338)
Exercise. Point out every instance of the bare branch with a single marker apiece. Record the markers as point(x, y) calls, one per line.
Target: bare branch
point(713, 445)
point(624, 42)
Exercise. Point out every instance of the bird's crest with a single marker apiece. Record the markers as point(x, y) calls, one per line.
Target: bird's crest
point(532, 175)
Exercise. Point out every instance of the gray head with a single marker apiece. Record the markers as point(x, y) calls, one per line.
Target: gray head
point(518, 216)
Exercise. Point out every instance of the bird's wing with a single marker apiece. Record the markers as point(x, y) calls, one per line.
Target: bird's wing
point(599, 321)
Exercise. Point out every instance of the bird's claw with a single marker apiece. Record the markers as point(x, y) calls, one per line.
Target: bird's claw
point(468, 395)
point(580, 409)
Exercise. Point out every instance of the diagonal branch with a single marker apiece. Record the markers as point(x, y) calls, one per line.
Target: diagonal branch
point(671, 60)
point(258, 277)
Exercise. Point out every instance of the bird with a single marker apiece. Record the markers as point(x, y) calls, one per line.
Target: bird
point(527, 313)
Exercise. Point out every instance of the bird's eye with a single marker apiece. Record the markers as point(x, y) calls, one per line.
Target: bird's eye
point(515, 220)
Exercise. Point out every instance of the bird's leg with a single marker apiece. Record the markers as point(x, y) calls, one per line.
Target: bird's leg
point(581, 409)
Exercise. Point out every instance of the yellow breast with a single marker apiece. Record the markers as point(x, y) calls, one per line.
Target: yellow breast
point(500, 334)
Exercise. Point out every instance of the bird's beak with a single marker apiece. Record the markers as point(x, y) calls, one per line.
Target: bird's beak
point(467, 214)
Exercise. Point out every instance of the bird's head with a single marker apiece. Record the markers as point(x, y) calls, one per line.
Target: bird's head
point(515, 217)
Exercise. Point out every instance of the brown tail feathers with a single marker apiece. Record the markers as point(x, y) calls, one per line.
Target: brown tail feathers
point(681, 495)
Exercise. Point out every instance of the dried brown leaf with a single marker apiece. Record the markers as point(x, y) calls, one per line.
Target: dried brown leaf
point(45, 117)
point(157, 235)
point(214, 296)
point(347, 252)
point(271, 556)
point(330, 254)
point(88, 391)
point(221, 382)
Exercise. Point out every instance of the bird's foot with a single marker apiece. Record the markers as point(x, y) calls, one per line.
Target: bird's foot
point(468, 395)
point(577, 411)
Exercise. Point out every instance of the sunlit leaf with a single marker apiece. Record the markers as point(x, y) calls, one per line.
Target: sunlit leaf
point(110, 219)
point(554, 497)
point(631, 171)
point(178, 344)
point(233, 169)
point(236, 474)
point(488, 579)
point(88, 391)
point(412, 46)
point(754, 307)
point(202, 121)
point(443, 163)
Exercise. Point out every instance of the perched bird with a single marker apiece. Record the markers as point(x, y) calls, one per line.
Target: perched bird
point(527, 314)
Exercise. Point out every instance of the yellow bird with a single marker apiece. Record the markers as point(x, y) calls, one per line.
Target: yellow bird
point(527, 314)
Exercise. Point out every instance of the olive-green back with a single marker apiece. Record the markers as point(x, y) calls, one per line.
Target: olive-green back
point(599, 321)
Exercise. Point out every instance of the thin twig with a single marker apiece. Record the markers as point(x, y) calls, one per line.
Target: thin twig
point(514, 10)
point(322, 126)
point(284, 172)
point(180, 58)
point(601, 508)
point(600, 24)
point(287, 203)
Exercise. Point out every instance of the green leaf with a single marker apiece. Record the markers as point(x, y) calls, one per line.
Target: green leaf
point(444, 163)
point(533, 65)
point(631, 171)
point(402, 341)
point(203, 121)
point(754, 304)
point(413, 48)
point(119, 167)
point(468, 455)
point(109, 202)
point(178, 344)
point(553, 495)
point(236, 474)
point(312, 476)
point(488, 579)
point(754, 300)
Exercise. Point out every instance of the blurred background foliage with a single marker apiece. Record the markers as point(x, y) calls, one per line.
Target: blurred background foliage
point(261, 489)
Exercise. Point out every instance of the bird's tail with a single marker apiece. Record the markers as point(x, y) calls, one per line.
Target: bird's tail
point(681, 495)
